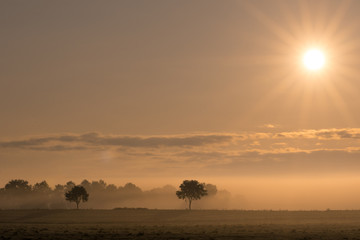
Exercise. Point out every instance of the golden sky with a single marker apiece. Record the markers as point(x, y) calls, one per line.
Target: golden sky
point(157, 91)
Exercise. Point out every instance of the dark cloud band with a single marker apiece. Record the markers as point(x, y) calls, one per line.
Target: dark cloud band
point(91, 140)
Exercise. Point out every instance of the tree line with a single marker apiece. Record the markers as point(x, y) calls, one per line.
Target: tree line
point(18, 193)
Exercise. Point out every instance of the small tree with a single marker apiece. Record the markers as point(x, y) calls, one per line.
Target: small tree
point(77, 194)
point(191, 190)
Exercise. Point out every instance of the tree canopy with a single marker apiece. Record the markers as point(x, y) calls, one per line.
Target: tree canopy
point(191, 190)
point(77, 194)
point(42, 187)
point(18, 184)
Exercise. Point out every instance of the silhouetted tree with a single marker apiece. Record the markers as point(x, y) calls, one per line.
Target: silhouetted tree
point(98, 185)
point(211, 189)
point(69, 185)
point(77, 194)
point(18, 184)
point(131, 188)
point(191, 190)
point(42, 187)
point(111, 188)
point(86, 184)
point(59, 188)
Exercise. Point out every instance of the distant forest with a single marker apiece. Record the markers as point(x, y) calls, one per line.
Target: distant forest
point(19, 194)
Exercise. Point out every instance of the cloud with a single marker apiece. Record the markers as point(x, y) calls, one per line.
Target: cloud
point(343, 133)
point(287, 161)
point(268, 126)
point(339, 133)
point(216, 145)
point(25, 143)
point(95, 140)
point(304, 151)
point(58, 148)
point(353, 133)
point(255, 143)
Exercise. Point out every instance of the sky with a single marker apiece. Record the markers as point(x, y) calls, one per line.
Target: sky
point(155, 92)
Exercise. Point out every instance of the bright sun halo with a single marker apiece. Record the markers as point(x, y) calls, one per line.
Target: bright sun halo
point(314, 59)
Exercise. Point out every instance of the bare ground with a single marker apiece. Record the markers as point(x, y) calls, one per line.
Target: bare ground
point(178, 224)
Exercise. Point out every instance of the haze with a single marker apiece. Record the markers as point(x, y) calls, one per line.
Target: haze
point(155, 92)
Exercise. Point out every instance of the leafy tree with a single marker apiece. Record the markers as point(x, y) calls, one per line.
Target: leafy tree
point(59, 188)
point(77, 194)
point(98, 185)
point(69, 185)
point(18, 184)
point(86, 184)
point(42, 187)
point(131, 188)
point(111, 188)
point(191, 190)
point(211, 189)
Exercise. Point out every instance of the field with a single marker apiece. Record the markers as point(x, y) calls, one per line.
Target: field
point(178, 224)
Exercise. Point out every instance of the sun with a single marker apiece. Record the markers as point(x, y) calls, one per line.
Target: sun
point(314, 59)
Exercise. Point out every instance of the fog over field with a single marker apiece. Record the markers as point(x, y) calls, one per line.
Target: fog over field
point(19, 194)
point(253, 194)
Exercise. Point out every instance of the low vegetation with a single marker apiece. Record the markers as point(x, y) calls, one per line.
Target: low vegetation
point(176, 224)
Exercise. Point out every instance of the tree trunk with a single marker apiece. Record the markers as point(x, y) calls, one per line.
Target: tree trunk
point(77, 205)
point(189, 204)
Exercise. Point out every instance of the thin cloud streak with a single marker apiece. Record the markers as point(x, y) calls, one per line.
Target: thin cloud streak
point(93, 140)
point(320, 134)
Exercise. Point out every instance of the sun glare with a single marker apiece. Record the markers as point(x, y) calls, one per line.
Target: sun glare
point(314, 59)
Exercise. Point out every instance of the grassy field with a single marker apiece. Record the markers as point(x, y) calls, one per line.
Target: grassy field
point(178, 224)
